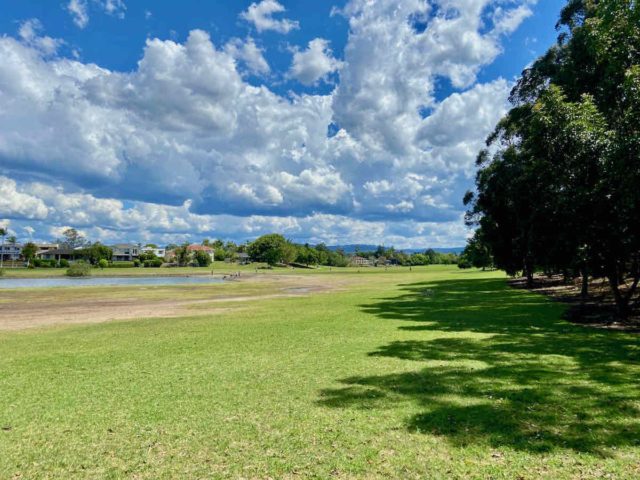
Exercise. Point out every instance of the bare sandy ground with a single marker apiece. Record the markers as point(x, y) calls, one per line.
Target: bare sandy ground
point(17, 314)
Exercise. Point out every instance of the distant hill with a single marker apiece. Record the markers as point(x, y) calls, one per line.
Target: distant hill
point(372, 248)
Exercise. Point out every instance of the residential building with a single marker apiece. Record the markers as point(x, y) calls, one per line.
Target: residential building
point(361, 262)
point(58, 254)
point(11, 252)
point(125, 252)
point(200, 248)
point(243, 258)
point(158, 252)
point(45, 247)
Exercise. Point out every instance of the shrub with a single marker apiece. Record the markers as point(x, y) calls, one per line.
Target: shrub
point(102, 263)
point(122, 265)
point(203, 259)
point(1, 272)
point(464, 262)
point(155, 263)
point(136, 263)
point(44, 263)
point(79, 270)
point(64, 263)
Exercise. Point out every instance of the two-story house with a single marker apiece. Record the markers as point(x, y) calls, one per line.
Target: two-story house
point(125, 252)
point(10, 252)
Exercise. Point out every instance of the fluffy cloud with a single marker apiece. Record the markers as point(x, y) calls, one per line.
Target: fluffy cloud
point(110, 221)
point(114, 7)
point(249, 53)
point(197, 148)
point(30, 34)
point(16, 204)
point(314, 63)
point(79, 12)
point(261, 16)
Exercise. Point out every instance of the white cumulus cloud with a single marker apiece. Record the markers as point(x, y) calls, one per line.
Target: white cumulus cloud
point(315, 63)
point(261, 16)
point(79, 12)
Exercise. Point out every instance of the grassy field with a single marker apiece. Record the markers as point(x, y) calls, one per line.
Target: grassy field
point(378, 379)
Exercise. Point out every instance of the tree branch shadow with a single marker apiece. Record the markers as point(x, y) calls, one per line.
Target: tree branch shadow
point(500, 367)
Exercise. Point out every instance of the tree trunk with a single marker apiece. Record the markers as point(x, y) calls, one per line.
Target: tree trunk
point(528, 272)
point(622, 299)
point(584, 292)
point(622, 307)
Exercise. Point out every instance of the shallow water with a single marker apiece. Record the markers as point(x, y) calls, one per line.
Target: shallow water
point(103, 281)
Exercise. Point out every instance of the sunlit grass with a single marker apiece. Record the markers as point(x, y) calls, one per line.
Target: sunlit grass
point(374, 380)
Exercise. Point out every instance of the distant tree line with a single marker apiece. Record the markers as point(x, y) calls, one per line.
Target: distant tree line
point(558, 187)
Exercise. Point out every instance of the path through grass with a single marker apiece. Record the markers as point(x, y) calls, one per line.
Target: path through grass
point(374, 381)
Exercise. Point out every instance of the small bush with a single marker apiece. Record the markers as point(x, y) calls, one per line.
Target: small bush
point(122, 265)
point(1, 272)
point(44, 263)
point(79, 270)
point(31, 266)
point(64, 263)
point(103, 263)
point(155, 263)
point(136, 263)
point(464, 263)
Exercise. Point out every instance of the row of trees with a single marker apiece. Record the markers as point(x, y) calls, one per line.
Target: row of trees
point(384, 255)
point(274, 249)
point(559, 184)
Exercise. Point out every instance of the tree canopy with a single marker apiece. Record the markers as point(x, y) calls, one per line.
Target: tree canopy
point(558, 183)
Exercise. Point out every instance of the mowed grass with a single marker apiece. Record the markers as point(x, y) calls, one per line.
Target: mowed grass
point(375, 380)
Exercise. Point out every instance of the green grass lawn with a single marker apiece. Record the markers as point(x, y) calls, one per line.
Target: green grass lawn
point(374, 380)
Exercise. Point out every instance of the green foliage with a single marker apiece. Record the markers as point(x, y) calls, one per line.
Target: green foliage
point(29, 251)
point(464, 262)
point(73, 238)
point(102, 263)
point(219, 254)
point(44, 263)
point(203, 259)
point(137, 263)
point(307, 255)
point(289, 253)
point(64, 263)
point(78, 269)
point(124, 264)
point(146, 256)
point(418, 259)
point(96, 252)
point(561, 191)
point(1, 272)
point(154, 263)
point(477, 253)
point(183, 256)
point(268, 249)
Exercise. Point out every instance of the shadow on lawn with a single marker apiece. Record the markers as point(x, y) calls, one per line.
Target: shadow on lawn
point(501, 368)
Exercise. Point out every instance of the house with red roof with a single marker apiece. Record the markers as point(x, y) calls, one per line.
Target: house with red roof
point(201, 248)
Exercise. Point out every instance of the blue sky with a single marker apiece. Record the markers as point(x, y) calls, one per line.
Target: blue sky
point(343, 122)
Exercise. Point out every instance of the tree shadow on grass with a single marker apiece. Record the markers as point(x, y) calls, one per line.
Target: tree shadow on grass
point(500, 367)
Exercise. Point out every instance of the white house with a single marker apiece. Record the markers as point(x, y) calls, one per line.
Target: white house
point(361, 262)
point(11, 252)
point(125, 252)
point(158, 252)
point(200, 248)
